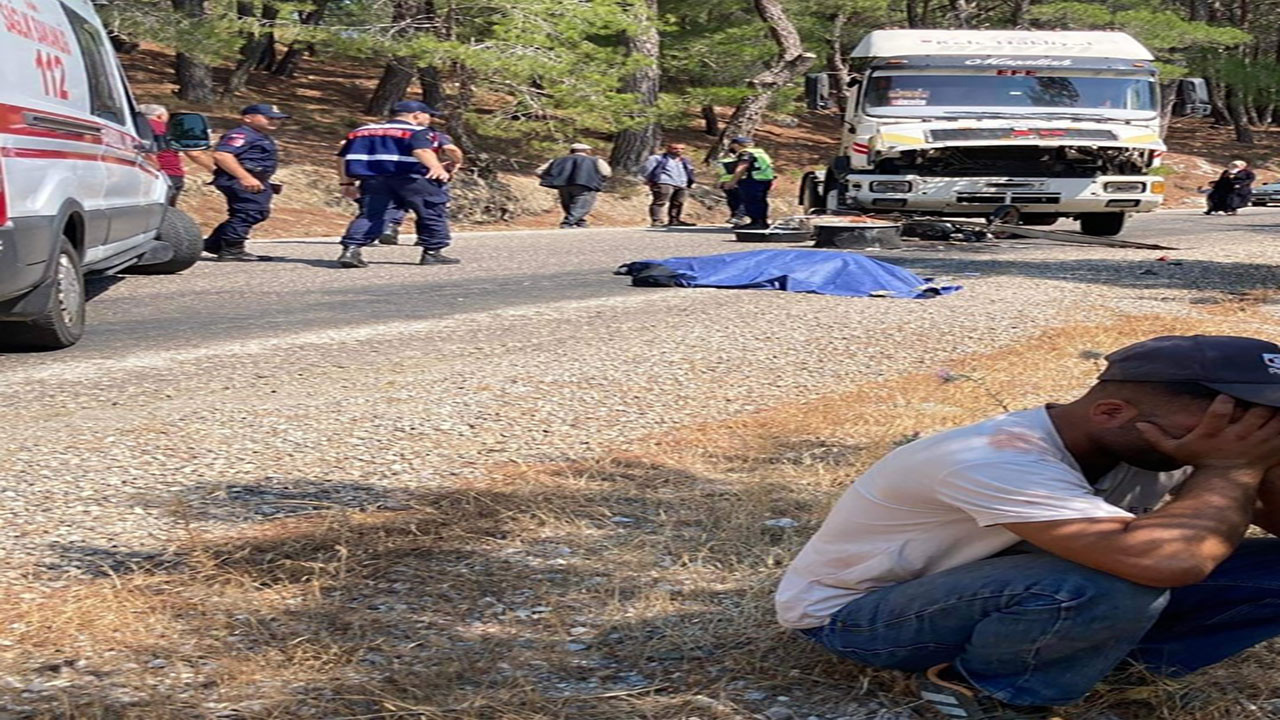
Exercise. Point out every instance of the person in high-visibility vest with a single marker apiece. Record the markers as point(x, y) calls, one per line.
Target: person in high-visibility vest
point(732, 195)
point(752, 178)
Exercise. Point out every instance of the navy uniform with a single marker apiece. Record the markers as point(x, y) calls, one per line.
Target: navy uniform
point(256, 152)
point(380, 158)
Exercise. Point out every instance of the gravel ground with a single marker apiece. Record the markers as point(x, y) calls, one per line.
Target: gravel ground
point(382, 383)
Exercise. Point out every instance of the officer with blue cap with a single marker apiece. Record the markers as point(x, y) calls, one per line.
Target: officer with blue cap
point(398, 163)
point(246, 158)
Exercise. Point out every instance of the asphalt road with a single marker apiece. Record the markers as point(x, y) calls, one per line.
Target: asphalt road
point(232, 394)
point(304, 292)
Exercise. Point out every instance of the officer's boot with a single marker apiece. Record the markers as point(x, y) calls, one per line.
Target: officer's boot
point(435, 257)
point(351, 257)
point(389, 238)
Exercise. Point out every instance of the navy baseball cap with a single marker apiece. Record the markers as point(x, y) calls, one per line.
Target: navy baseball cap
point(1245, 368)
point(742, 140)
point(266, 109)
point(405, 107)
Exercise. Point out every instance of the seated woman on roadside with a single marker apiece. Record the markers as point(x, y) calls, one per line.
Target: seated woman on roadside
point(1232, 190)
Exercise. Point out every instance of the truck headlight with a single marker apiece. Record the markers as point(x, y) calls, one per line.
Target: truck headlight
point(1123, 188)
point(891, 186)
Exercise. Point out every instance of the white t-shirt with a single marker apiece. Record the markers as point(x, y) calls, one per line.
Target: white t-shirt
point(938, 502)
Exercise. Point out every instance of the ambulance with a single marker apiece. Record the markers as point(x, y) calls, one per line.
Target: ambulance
point(80, 193)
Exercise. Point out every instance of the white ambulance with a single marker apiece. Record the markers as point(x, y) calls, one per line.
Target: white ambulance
point(79, 189)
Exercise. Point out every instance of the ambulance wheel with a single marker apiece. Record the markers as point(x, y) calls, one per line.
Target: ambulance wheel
point(61, 323)
point(180, 231)
point(1102, 224)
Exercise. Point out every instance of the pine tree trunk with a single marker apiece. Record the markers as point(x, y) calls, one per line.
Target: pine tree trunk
point(914, 19)
point(396, 79)
point(288, 64)
point(432, 86)
point(710, 121)
point(1217, 103)
point(837, 63)
point(631, 147)
point(791, 62)
point(254, 46)
point(1239, 118)
point(195, 80)
point(962, 14)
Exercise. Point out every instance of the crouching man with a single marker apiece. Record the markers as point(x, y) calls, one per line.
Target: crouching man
point(1015, 562)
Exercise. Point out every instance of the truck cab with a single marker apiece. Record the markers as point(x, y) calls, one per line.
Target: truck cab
point(961, 123)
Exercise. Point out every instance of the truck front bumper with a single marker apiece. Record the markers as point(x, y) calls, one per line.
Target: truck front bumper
point(979, 196)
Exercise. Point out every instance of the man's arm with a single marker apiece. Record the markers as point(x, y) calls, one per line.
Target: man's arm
point(453, 157)
point(738, 173)
point(428, 157)
point(648, 168)
point(201, 158)
point(603, 166)
point(231, 165)
point(1182, 542)
point(1267, 514)
point(346, 182)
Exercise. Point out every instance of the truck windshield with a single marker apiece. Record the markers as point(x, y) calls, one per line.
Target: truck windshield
point(892, 92)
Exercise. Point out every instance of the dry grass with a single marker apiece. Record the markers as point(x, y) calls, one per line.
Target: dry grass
point(656, 559)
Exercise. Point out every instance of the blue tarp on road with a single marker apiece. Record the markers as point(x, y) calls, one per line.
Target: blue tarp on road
point(824, 272)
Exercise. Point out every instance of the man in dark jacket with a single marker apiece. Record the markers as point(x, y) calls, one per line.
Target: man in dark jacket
point(579, 177)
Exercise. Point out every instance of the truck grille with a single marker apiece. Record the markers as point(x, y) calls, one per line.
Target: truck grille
point(1020, 134)
point(1003, 199)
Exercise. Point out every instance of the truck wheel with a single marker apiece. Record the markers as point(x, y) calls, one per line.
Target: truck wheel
point(61, 324)
point(1102, 224)
point(180, 231)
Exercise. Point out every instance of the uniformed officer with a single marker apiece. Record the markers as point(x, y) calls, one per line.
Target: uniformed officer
point(752, 178)
point(246, 158)
point(397, 162)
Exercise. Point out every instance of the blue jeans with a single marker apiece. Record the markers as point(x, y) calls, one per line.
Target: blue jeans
point(1034, 629)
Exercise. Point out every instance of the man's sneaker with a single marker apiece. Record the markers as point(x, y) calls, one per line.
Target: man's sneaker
point(389, 239)
point(753, 226)
point(739, 220)
point(681, 223)
point(435, 257)
point(941, 687)
point(352, 258)
point(240, 256)
point(657, 224)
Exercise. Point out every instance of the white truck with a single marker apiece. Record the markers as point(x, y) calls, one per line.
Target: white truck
point(965, 123)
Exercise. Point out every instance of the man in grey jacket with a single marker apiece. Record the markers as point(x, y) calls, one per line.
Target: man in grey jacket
point(579, 177)
point(669, 176)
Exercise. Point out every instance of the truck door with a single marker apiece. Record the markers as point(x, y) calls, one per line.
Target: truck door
point(130, 178)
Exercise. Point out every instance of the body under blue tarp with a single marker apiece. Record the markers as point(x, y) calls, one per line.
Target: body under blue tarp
point(824, 272)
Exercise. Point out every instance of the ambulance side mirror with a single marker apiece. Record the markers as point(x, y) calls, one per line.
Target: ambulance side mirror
point(188, 131)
